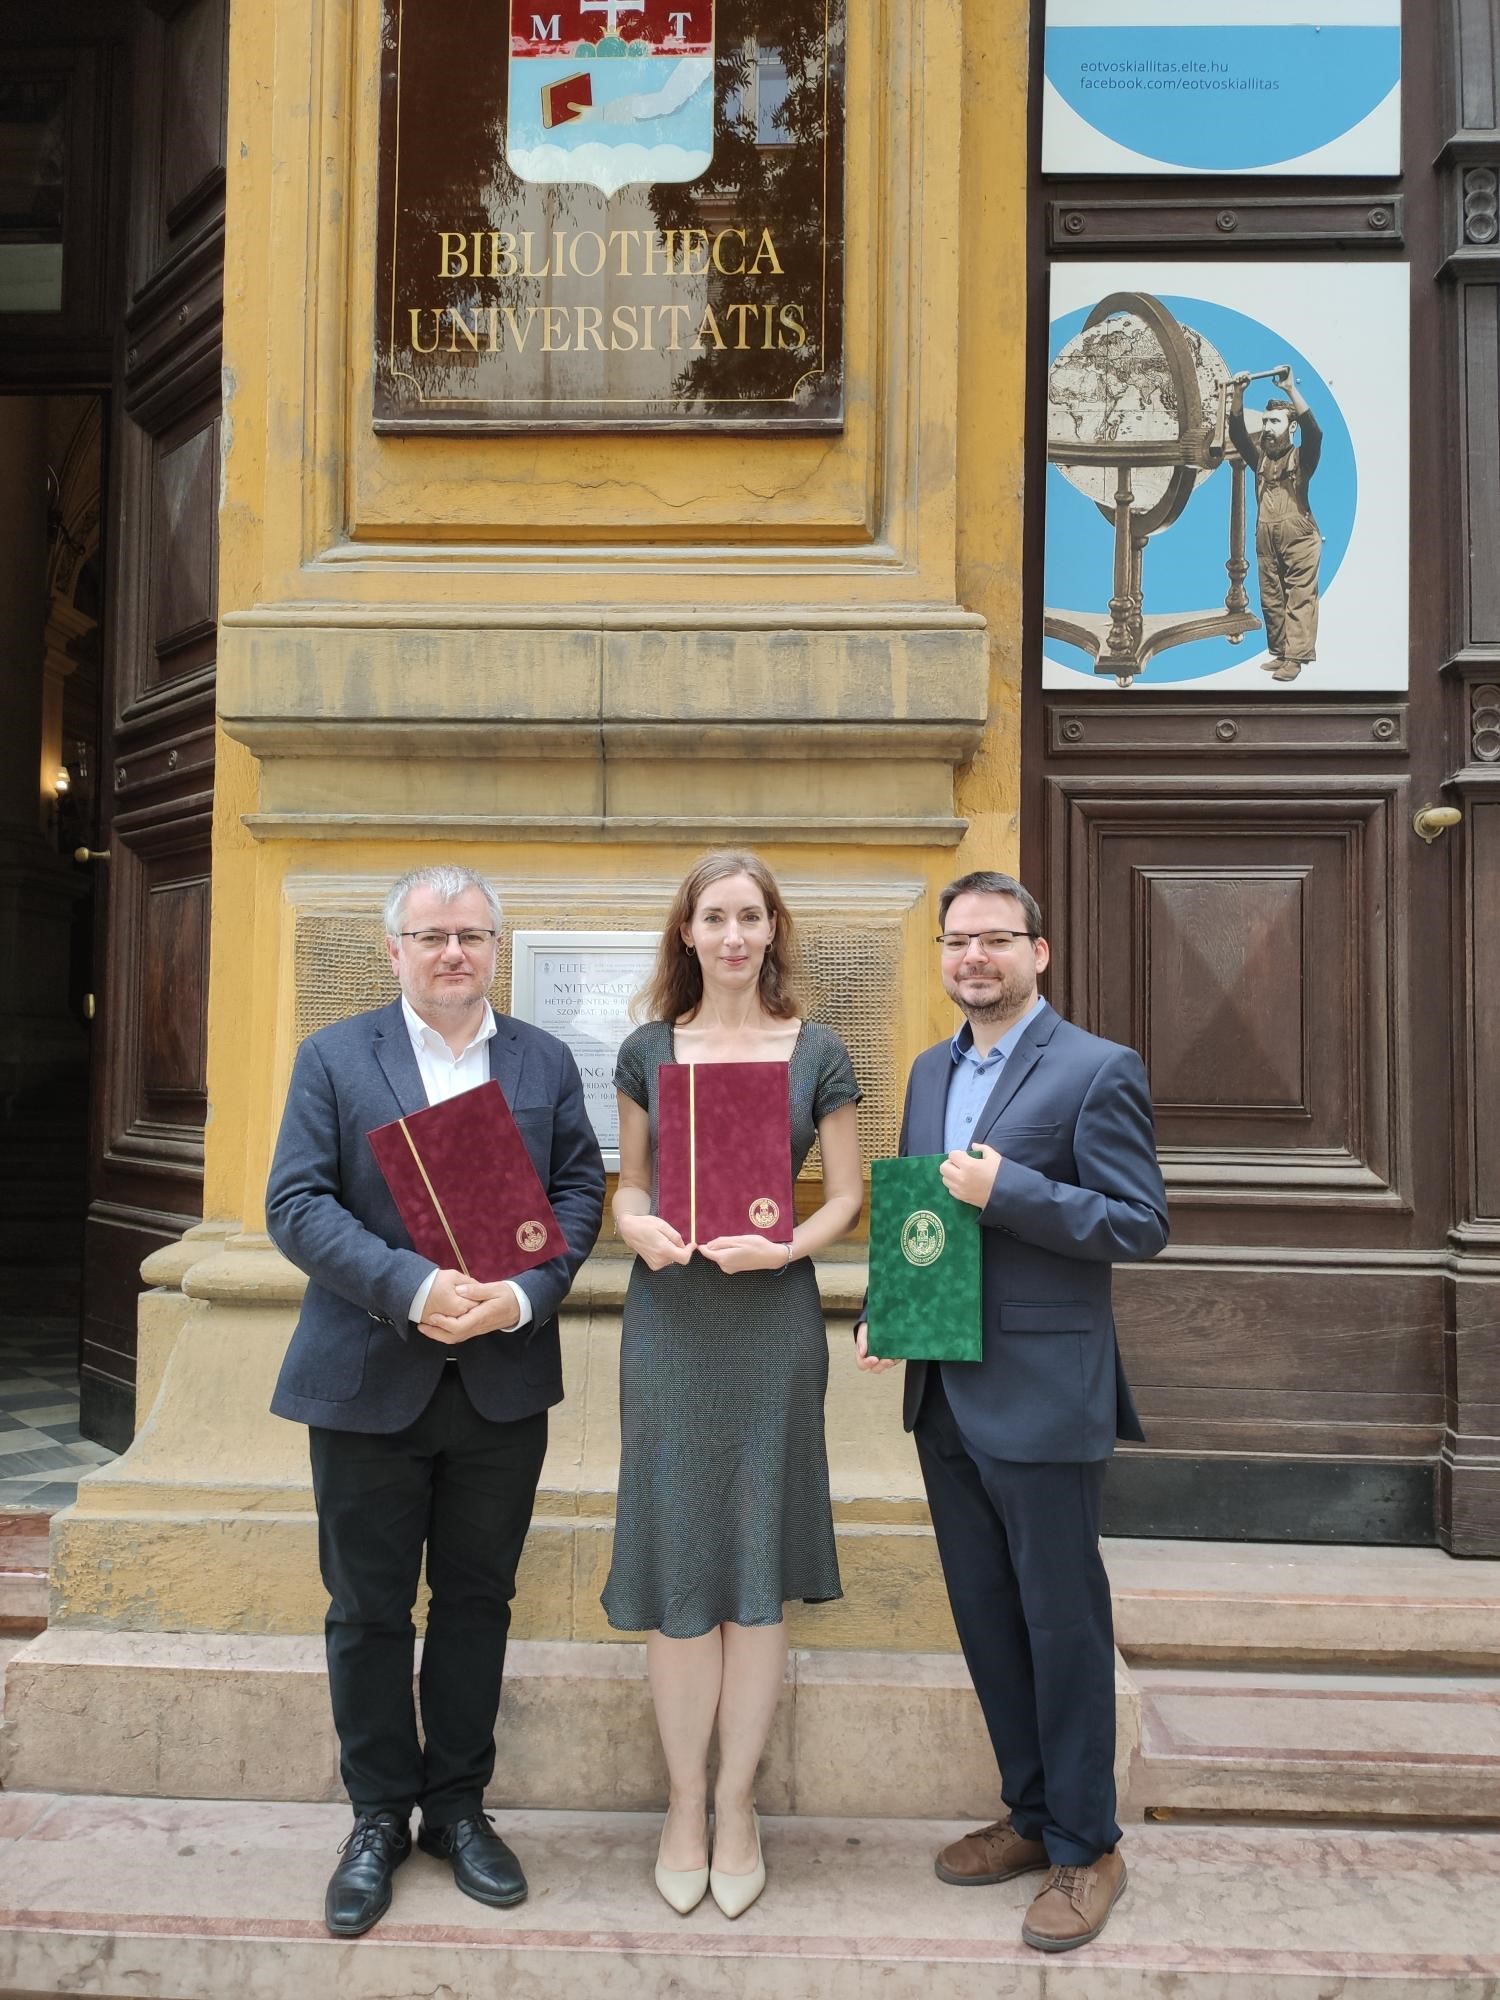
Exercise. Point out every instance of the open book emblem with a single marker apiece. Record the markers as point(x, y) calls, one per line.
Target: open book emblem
point(607, 92)
point(765, 1212)
point(922, 1237)
point(531, 1236)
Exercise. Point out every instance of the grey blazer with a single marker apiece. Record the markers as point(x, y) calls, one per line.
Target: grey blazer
point(355, 1362)
point(1078, 1190)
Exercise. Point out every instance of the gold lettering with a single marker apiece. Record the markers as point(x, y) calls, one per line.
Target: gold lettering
point(694, 244)
point(503, 263)
point(460, 324)
point(765, 250)
point(447, 267)
point(744, 312)
point(528, 239)
point(652, 241)
point(416, 339)
point(725, 236)
point(551, 314)
point(596, 243)
point(590, 320)
point(709, 323)
point(518, 338)
point(676, 313)
point(624, 237)
point(793, 323)
point(622, 321)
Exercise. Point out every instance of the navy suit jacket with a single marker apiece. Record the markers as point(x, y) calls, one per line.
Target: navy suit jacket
point(355, 1362)
point(1078, 1190)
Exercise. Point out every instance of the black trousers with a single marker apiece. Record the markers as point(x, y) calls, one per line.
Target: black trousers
point(464, 1486)
point(1019, 1546)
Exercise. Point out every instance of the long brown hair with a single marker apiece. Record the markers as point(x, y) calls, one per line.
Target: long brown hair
point(676, 985)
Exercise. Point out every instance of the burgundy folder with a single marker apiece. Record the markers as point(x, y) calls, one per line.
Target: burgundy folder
point(724, 1150)
point(462, 1178)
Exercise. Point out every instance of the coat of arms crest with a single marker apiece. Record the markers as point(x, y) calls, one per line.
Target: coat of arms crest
point(607, 92)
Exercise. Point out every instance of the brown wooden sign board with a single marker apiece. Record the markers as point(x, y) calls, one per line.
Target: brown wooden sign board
point(610, 215)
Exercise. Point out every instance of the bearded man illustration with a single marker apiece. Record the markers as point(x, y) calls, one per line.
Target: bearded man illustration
point(1288, 545)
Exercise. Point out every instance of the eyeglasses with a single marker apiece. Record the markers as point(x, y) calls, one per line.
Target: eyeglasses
point(437, 940)
point(991, 943)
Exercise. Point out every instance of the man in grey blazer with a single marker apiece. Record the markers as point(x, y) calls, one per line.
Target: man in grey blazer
point(1048, 1133)
point(425, 1395)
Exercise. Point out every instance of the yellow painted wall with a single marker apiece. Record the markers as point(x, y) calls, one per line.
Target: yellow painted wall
point(342, 548)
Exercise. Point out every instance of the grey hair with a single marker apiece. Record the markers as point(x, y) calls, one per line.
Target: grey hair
point(446, 882)
point(986, 882)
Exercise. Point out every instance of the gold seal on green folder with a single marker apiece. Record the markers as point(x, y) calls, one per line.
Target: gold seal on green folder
point(925, 1266)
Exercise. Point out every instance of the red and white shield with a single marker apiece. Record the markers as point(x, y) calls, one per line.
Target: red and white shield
point(609, 92)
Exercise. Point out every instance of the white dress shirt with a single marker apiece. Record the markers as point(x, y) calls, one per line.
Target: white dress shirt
point(446, 1075)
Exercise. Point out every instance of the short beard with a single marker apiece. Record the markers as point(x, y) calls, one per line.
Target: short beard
point(443, 1000)
point(1276, 447)
point(988, 1010)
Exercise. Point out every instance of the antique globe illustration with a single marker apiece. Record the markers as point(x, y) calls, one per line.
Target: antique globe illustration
point(1137, 415)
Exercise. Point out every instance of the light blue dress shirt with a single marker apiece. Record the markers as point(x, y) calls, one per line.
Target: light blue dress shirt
point(974, 1078)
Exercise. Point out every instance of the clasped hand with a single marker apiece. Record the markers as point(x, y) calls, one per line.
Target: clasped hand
point(459, 1308)
point(970, 1176)
point(658, 1244)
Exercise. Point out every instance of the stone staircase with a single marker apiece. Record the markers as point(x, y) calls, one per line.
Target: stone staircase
point(1309, 1740)
point(1310, 1736)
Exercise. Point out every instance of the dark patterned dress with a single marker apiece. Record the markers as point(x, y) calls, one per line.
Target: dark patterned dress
point(723, 1510)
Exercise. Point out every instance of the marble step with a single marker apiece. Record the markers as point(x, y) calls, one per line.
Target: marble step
point(1372, 1746)
point(182, 1715)
point(161, 1900)
point(23, 1574)
point(1276, 1604)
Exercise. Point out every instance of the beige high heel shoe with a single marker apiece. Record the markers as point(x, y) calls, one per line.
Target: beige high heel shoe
point(683, 1888)
point(735, 1893)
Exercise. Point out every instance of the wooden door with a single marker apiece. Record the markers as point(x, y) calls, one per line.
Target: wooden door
point(146, 1167)
point(1234, 886)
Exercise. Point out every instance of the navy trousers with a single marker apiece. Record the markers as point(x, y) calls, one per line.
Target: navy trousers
point(1020, 1552)
point(463, 1486)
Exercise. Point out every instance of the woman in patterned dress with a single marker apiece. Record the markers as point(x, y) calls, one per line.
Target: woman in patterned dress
point(724, 1511)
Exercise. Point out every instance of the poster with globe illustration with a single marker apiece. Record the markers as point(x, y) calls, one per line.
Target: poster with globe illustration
point(1227, 476)
point(1222, 87)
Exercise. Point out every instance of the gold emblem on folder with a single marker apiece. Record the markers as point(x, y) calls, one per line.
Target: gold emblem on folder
point(531, 1236)
point(922, 1237)
point(765, 1213)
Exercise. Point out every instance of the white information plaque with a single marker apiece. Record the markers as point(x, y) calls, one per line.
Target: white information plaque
point(578, 985)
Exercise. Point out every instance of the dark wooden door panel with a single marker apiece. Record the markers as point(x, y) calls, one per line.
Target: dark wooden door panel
point(1233, 886)
point(149, 1084)
point(1247, 939)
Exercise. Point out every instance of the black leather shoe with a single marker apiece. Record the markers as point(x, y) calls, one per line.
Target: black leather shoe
point(359, 1890)
point(483, 1866)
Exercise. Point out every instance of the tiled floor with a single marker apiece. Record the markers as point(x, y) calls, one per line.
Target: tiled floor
point(42, 1456)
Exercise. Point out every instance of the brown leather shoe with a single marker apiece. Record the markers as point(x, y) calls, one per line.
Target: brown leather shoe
point(1073, 1904)
point(990, 1854)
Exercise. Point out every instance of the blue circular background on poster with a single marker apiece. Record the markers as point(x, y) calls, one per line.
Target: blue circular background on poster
point(1183, 567)
point(1223, 99)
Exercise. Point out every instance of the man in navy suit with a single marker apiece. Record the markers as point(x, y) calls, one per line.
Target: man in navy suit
point(426, 1395)
point(1048, 1134)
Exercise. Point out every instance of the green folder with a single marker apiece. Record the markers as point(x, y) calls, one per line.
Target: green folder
point(925, 1266)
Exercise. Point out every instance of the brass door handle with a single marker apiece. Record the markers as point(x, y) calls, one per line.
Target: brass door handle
point(85, 854)
point(1433, 820)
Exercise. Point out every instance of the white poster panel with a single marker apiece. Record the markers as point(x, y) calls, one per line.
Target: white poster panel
point(1227, 476)
point(1222, 87)
point(578, 985)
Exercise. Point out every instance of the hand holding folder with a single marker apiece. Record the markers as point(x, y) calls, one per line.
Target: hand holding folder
point(724, 1150)
point(925, 1301)
point(464, 1184)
